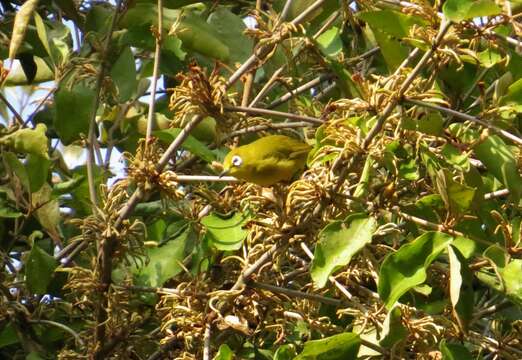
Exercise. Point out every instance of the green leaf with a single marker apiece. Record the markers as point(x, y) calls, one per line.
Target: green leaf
point(459, 10)
point(164, 262)
point(6, 211)
point(466, 246)
point(408, 170)
point(389, 28)
point(330, 42)
point(461, 289)
point(8, 336)
point(393, 330)
point(391, 22)
point(226, 233)
point(343, 346)
point(285, 352)
point(500, 161)
point(37, 171)
point(224, 353)
point(362, 188)
point(56, 39)
point(47, 208)
point(29, 141)
point(452, 351)
point(406, 268)
point(123, 73)
point(513, 96)
point(455, 157)
point(229, 29)
point(73, 112)
point(39, 270)
point(431, 123)
point(33, 355)
point(338, 242)
point(511, 275)
point(457, 197)
point(191, 143)
point(16, 168)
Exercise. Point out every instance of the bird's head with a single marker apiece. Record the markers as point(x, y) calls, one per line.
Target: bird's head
point(233, 163)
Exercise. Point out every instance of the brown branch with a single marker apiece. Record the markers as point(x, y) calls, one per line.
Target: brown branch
point(92, 142)
point(17, 116)
point(295, 293)
point(445, 25)
point(306, 86)
point(464, 116)
point(265, 50)
point(155, 72)
point(267, 112)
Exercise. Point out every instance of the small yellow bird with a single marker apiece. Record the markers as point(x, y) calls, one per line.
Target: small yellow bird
point(267, 160)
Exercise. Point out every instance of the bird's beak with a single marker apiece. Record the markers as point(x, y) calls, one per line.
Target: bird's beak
point(224, 172)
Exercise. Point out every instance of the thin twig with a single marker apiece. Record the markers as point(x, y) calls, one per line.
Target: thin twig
point(245, 274)
point(310, 84)
point(445, 25)
point(17, 116)
point(464, 116)
point(265, 50)
point(92, 142)
point(495, 194)
point(267, 112)
point(257, 128)
point(295, 293)
point(60, 326)
point(155, 72)
point(205, 178)
point(206, 341)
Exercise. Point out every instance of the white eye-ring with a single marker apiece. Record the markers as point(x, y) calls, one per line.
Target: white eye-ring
point(237, 161)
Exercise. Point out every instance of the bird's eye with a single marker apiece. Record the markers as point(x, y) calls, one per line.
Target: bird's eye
point(237, 161)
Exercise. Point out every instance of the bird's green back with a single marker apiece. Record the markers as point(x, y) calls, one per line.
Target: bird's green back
point(268, 160)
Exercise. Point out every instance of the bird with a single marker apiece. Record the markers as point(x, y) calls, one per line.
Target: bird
point(267, 160)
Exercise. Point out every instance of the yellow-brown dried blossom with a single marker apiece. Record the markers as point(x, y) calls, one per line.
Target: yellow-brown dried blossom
point(101, 225)
point(143, 170)
point(268, 39)
point(183, 315)
point(199, 94)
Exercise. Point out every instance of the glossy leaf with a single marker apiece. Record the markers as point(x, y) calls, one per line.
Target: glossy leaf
point(330, 43)
point(511, 276)
point(191, 143)
point(224, 353)
point(39, 270)
point(37, 171)
point(406, 268)
point(343, 346)
point(337, 243)
point(458, 10)
point(226, 232)
point(453, 351)
point(513, 96)
point(229, 29)
point(73, 112)
point(47, 208)
point(461, 289)
point(123, 73)
point(499, 159)
point(17, 170)
point(29, 141)
point(164, 262)
point(393, 329)
point(457, 197)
